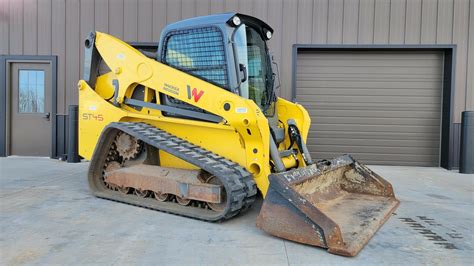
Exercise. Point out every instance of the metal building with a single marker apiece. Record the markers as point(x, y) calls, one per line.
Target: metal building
point(384, 80)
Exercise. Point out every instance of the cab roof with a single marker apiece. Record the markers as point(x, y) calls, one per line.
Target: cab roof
point(217, 19)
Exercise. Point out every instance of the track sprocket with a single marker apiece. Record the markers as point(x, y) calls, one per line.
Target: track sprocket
point(127, 146)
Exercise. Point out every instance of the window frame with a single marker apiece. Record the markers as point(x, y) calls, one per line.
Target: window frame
point(44, 90)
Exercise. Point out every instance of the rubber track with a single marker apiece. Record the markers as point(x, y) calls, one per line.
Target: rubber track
point(240, 187)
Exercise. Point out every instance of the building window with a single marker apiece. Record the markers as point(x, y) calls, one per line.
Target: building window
point(199, 52)
point(31, 91)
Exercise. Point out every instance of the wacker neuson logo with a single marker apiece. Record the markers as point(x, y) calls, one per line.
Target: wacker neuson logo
point(194, 94)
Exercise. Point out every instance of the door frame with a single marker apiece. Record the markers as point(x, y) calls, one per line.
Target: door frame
point(447, 138)
point(5, 69)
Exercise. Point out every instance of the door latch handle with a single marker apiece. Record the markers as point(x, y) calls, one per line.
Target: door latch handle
point(46, 116)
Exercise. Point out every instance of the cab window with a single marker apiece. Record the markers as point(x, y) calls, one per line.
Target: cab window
point(199, 52)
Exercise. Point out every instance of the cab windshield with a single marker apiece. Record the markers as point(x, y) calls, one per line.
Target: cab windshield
point(253, 55)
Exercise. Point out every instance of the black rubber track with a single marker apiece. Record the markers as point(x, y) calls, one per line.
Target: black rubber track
point(239, 185)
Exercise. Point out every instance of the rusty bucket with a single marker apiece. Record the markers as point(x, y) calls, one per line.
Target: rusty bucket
point(338, 204)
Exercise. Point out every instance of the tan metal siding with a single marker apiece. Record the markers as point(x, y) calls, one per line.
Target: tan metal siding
point(275, 11)
point(130, 20)
point(159, 18)
point(445, 22)
point(202, 7)
point(73, 47)
point(188, 9)
point(429, 21)
point(4, 16)
point(16, 27)
point(382, 21)
point(305, 21)
point(366, 22)
point(44, 27)
point(116, 18)
point(41, 27)
point(413, 22)
point(320, 21)
point(231, 5)
point(58, 47)
point(86, 26)
point(288, 33)
point(101, 15)
point(335, 21)
point(351, 20)
point(459, 36)
point(145, 20)
point(397, 22)
point(381, 107)
point(470, 65)
point(30, 16)
point(173, 11)
point(217, 6)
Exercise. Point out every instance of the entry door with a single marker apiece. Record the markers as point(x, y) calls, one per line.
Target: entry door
point(30, 109)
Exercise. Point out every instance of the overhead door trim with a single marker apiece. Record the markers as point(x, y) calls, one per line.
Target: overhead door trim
point(449, 51)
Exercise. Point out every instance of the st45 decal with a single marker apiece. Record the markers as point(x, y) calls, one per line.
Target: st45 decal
point(194, 93)
point(88, 116)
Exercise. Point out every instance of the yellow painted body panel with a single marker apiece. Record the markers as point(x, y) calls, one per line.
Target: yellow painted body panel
point(237, 137)
point(288, 110)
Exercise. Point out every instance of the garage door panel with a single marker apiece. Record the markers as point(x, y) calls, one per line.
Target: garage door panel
point(406, 163)
point(407, 92)
point(320, 140)
point(375, 128)
point(385, 156)
point(381, 107)
point(379, 85)
point(394, 122)
point(325, 62)
point(338, 135)
point(368, 99)
point(360, 56)
point(367, 77)
point(421, 151)
point(373, 114)
point(379, 160)
point(369, 106)
point(376, 70)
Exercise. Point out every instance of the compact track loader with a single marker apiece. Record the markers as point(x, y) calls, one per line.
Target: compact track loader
point(195, 128)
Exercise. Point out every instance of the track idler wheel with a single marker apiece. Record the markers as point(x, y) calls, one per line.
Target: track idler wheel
point(141, 193)
point(161, 196)
point(183, 201)
point(124, 190)
point(218, 207)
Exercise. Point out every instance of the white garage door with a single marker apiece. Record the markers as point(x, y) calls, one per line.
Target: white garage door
point(383, 107)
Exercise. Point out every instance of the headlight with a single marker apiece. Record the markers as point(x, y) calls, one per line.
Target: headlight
point(236, 21)
point(268, 34)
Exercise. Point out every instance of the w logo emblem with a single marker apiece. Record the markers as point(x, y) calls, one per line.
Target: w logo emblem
point(195, 94)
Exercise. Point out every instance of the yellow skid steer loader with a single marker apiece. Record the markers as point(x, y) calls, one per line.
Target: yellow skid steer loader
point(195, 128)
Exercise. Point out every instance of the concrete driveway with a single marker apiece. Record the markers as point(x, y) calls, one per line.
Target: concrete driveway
point(48, 216)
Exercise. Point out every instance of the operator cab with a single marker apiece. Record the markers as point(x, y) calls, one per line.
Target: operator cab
point(228, 50)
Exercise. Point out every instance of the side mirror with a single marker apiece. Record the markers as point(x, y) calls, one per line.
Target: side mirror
point(276, 74)
point(243, 72)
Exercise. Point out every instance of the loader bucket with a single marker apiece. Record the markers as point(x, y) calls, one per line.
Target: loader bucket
point(338, 204)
